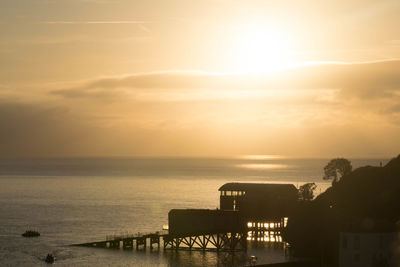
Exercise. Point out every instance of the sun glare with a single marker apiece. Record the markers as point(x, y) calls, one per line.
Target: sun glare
point(259, 48)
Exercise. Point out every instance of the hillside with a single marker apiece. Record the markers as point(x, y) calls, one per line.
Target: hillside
point(367, 192)
point(365, 200)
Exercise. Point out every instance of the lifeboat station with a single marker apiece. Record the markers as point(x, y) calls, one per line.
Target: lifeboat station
point(248, 212)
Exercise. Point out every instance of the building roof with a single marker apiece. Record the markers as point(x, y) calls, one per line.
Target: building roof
point(256, 187)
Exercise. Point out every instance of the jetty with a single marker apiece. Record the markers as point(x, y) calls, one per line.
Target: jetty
point(249, 212)
point(128, 241)
point(142, 241)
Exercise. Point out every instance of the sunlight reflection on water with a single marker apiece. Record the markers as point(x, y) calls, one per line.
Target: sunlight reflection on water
point(261, 157)
point(267, 166)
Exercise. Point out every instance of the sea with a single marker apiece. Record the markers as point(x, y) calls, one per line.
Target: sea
point(77, 200)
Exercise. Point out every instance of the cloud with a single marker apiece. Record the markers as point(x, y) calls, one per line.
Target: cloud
point(34, 130)
point(46, 129)
point(73, 22)
point(160, 83)
point(310, 108)
point(371, 80)
point(89, 94)
point(165, 79)
point(141, 24)
point(392, 109)
point(334, 94)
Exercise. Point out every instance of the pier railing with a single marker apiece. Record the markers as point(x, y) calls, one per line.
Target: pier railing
point(135, 235)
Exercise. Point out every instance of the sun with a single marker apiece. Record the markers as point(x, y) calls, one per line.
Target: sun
point(260, 48)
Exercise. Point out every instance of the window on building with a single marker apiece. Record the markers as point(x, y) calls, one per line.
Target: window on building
point(228, 193)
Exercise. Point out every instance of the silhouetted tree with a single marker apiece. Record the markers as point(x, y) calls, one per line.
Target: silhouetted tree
point(306, 191)
point(336, 169)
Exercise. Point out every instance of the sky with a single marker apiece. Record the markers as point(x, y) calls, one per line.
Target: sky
point(200, 78)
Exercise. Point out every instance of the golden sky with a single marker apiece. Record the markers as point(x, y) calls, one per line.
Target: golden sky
point(199, 78)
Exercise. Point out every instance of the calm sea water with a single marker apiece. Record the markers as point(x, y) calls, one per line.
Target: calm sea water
point(80, 200)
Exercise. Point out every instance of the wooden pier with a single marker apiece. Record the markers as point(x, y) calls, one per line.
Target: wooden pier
point(205, 242)
point(249, 212)
point(229, 242)
point(128, 241)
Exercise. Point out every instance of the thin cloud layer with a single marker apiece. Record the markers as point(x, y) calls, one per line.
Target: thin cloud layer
point(363, 80)
point(99, 22)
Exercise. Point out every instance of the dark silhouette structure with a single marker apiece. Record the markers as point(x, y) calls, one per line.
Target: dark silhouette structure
point(249, 211)
point(200, 221)
point(258, 202)
point(221, 230)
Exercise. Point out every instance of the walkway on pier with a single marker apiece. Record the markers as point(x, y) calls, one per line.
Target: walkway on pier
point(126, 241)
point(201, 241)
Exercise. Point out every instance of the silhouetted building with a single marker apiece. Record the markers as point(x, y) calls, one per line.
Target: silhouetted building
point(257, 201)
point(368, 242)
point(248, 211)
point(368, 249)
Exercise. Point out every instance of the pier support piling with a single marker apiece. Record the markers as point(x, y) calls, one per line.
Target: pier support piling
point(141, 241)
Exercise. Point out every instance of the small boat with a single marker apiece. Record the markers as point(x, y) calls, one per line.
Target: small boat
point(30, 233)
point(50, 258)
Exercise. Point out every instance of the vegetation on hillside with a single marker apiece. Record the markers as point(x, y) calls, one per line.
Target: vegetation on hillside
point(366, 199)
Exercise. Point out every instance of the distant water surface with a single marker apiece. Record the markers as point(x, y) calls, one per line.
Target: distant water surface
point(80, 200)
